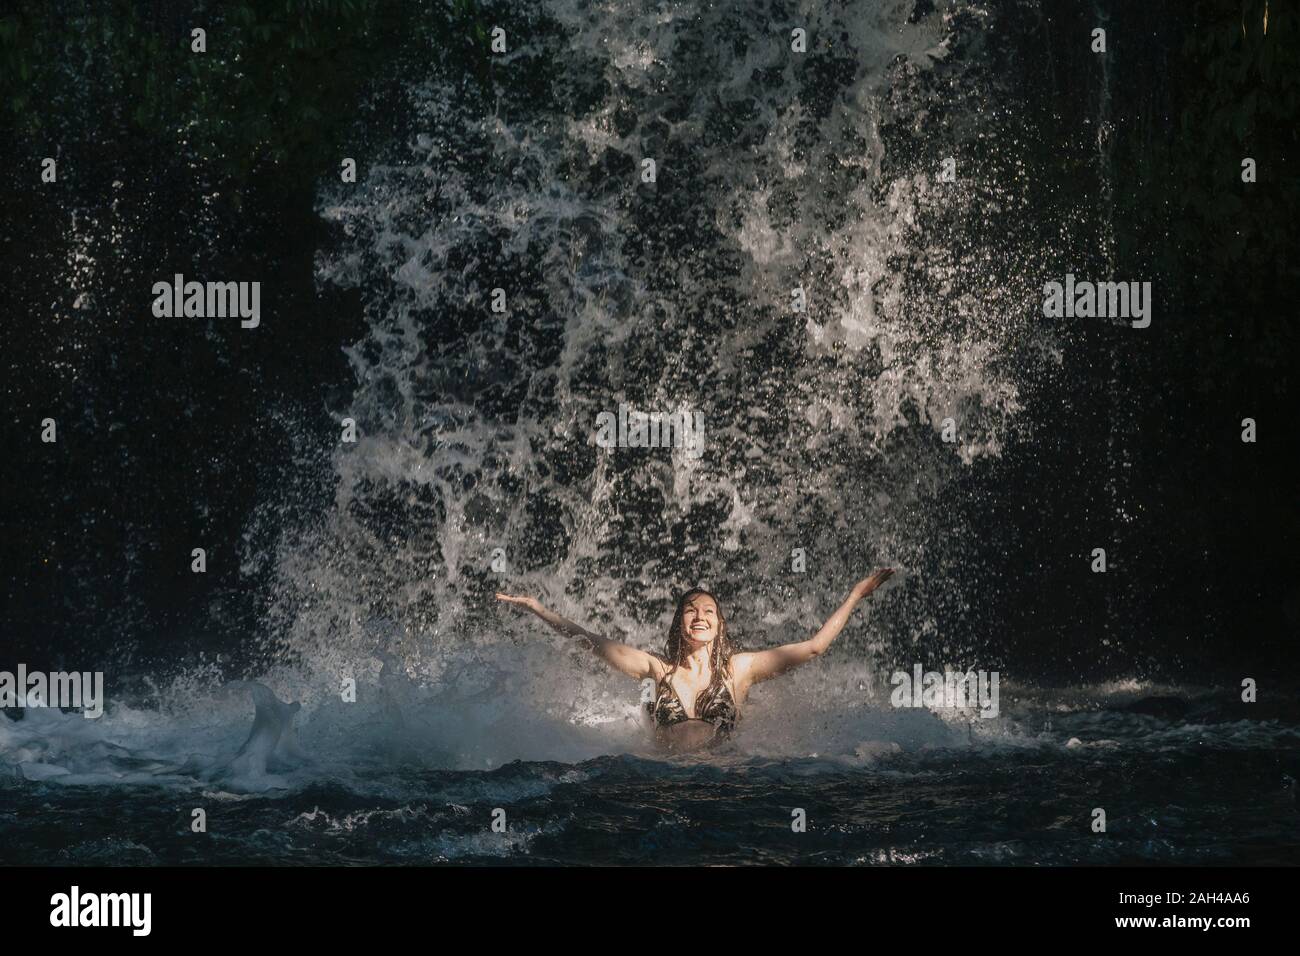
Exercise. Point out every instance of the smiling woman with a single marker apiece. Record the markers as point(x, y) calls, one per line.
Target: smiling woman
point(700, 681)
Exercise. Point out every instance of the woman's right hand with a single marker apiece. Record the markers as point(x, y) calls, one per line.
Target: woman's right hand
point(624, 658)
point(529, 602)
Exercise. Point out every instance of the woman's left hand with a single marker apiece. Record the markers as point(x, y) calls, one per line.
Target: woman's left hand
point(869, 584)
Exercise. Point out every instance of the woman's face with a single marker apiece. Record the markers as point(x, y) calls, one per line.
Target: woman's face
point(700, 620)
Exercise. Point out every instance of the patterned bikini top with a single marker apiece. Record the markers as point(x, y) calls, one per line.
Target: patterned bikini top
point(714, 704)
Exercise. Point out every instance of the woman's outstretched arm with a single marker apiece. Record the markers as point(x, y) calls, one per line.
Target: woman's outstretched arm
point(764, 665)
point(622, 657)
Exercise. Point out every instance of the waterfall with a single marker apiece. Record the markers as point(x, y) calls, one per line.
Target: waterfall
point(1121, 423)
point(824, 429)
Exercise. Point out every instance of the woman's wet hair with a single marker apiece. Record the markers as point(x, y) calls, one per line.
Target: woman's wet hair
point(721, 650)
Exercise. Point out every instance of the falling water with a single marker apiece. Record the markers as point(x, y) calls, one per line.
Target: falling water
point(822, 429)
point(1119, 354)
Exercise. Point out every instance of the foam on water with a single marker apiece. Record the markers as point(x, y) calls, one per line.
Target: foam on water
point(384, 749)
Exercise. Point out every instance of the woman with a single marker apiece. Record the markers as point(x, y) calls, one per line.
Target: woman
point(700, 681)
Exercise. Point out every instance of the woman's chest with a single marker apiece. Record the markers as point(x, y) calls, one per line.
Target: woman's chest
point(700, 697)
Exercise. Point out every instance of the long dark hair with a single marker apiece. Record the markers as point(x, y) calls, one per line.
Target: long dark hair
point(722, 649)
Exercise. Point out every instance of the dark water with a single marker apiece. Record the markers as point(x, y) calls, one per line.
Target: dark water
point(1205, 788)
